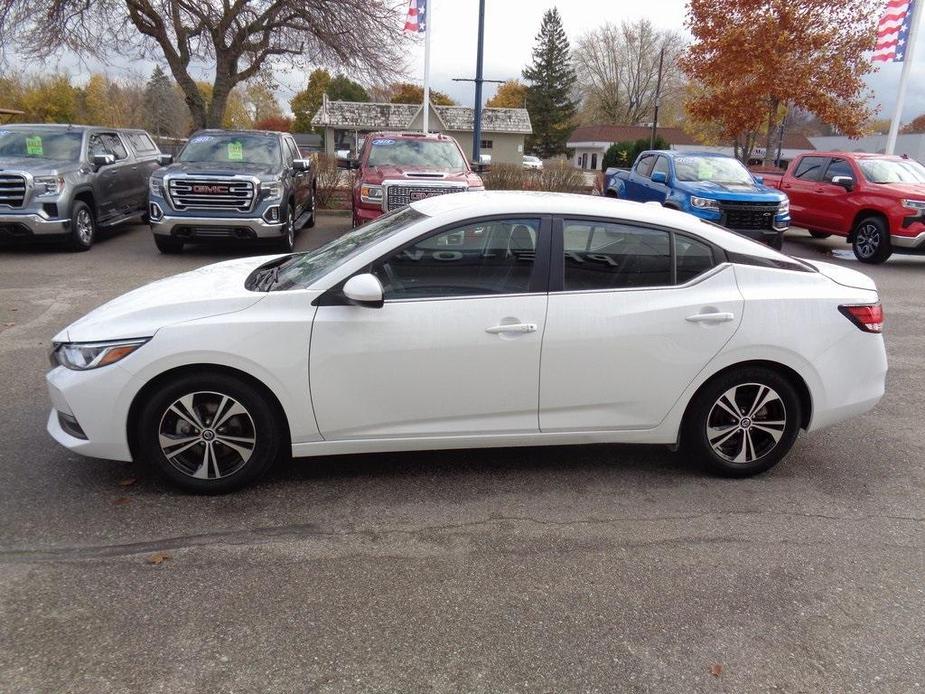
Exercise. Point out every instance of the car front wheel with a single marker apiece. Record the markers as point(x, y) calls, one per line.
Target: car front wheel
point(208, 433)
point(743, 422)
point(83, 226)
point(871, 242)
point(287, 242)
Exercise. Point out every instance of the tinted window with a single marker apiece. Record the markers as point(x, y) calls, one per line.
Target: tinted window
point(614, 256)
point(291, 149)
point(810, 168)
point(692, 257)
point(838, 167)
point(141, 143)
point(661, 165)
point(106, 143)
point(492, 257)
point(645, 165)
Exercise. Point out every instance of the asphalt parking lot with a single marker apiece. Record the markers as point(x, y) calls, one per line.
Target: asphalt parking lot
point(595, 569)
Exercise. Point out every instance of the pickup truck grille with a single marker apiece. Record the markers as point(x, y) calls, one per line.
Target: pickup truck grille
point(400, 195)
point(748, 215)
point(12, 190)
point(211, 194)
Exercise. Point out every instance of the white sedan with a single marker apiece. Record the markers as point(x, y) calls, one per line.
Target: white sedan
point(476, 320)
point(534, 163)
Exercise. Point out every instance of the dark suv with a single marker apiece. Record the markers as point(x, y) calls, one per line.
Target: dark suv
point(66, 181)
point(227, 184)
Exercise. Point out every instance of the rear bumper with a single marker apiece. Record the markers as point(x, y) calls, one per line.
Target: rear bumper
point(34, 224)
point(194, 228)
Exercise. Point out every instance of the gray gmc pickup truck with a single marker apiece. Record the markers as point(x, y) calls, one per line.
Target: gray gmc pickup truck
point(225, 185)
point(63, 182)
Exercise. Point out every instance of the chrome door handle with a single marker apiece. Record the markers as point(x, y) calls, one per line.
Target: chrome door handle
point(714, 317)
point(512, 328)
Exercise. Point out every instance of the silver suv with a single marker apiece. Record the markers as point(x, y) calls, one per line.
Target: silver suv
point(66, 181)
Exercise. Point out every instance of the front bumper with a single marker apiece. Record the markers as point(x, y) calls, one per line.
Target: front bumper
point(366, 214)
point(31, 224)
point(194, 228)
point(910, 243)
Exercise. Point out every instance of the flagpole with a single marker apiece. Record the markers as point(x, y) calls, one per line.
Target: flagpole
point(427, 28)
point(904, 78)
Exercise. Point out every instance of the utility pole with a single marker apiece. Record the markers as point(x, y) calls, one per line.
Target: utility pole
point(477, 112)
point(658, 95)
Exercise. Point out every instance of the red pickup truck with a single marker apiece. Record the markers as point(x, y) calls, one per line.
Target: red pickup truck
point(394, 169)
point(876, 201)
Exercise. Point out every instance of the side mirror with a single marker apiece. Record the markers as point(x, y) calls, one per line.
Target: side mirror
point(364, 290)
point(165, 159)
point(101, 160)
point(759, 180)
point(302, 164)
point(845, 182)
point(659, 177)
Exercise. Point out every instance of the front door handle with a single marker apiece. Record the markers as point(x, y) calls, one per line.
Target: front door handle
point(712, 317)
point(512, 328)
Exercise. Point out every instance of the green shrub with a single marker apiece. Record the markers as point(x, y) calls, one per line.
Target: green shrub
point(623, 154)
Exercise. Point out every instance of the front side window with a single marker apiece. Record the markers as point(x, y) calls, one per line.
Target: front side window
point(838, 167)
point(106, 143)
point(645, 165)
point(482, 258)
point(601, 255)
point(810, 168)
point(661, 165)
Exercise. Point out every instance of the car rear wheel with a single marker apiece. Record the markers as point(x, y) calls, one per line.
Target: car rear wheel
point(208, 433)
point(83, 226)
point(168, 244)
point(819, 234)
point(742, 422)
point(871, 241)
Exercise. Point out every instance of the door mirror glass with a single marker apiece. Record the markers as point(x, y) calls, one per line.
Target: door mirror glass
point(301, 164)
point(101, 160)
point(845, 182)
point(659, 177)
point(165, 159)
point(364, 290)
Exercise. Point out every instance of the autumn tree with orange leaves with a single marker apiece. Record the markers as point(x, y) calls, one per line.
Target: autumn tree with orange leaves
point(752, 60)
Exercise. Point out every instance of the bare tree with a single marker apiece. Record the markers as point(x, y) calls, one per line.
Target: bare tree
point(238, 37)
point(617, 69)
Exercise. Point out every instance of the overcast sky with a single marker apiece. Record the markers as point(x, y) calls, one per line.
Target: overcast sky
point(510, 28)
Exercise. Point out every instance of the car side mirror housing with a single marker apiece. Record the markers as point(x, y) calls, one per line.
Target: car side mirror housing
point(301, 164)
point(659, 177)
point(759, 180)
point(165, 159)
point(364, 290)
point(101, 160)
point(845, 182)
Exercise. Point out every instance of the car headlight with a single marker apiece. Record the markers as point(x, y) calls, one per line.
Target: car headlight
point(156, 186)
point(914, 205)
point(784, 207)
point(82, 356)
point(371, 194)
point(704, 203)
point(47, 186)
point(273, 190)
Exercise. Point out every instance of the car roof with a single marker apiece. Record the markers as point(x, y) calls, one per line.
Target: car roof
point(410, 135)
point(224, 131)
point(463, 206)
point(854, 155)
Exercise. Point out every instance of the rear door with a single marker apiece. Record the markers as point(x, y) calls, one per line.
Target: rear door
point(635, 313)
point(146, 154)
point(802, 188)
point(300, 189)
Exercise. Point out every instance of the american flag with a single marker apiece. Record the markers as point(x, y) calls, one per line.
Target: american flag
point(893, 30)
point(417, 16)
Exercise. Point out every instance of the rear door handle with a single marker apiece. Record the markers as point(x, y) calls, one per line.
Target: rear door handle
point(713, 317)
point(512, 328)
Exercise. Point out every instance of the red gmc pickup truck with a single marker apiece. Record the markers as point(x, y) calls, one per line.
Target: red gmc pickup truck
point(877, 202)
point(394, 169)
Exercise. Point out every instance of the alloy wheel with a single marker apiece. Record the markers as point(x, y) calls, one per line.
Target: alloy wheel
point(207, 435)
point(84, 224)
point(867, 240)
point(746, 423)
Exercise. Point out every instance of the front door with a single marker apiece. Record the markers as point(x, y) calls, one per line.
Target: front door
point(833, 203)
point(455, 350)
point(631, 325)
point(802, 187)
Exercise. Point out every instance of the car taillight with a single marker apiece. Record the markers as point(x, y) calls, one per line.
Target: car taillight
point(868, 317)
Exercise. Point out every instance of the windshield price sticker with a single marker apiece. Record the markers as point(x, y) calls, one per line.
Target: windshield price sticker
point(235, 151)
point(383, 142)
point(34, 146)
point(202, 138)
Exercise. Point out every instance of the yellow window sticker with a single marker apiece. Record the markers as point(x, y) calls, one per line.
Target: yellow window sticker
point(235, 151)
point(34, 147)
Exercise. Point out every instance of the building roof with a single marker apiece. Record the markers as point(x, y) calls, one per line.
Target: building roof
point(674, 136)
point(382, 116)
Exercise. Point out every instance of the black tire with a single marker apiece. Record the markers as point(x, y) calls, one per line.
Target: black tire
point(206, 390)
point(168, 244)
point(819, 234)
point(871, 240)
point(286, 243)
point(777, 242)
point(753, 438)
point(83, 227)
point(311, 220)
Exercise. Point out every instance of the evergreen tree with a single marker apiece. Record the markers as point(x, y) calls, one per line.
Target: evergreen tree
point(164, 111)
point(550, 81)
point(306, 103)
point(342, 88)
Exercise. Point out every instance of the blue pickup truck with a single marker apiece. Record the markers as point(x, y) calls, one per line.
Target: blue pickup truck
point(711, 186)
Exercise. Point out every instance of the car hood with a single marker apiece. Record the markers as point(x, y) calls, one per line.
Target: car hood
point(730, 191)
point(916, 190)
point(36, 166)
point(843, 275)
point(407, 172)
point(209, 291)
point(205, 168)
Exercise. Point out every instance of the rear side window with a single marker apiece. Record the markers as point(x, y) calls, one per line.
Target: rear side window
point(141, 143)
point(615, 256)
point(692, 257)
point(810, 168)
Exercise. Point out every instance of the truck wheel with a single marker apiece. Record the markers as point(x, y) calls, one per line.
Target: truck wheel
point(311, 220)
point(83, 227)
point(777, 242)
point(287, 242)
point(819, 234)
point(871, 241)
point(168, 244)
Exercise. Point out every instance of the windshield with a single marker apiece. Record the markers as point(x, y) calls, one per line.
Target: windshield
point(425, 154)
point(41, 143)
point(232, 148)
point(892, 170)
point(301, 270)
point(713, 170)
